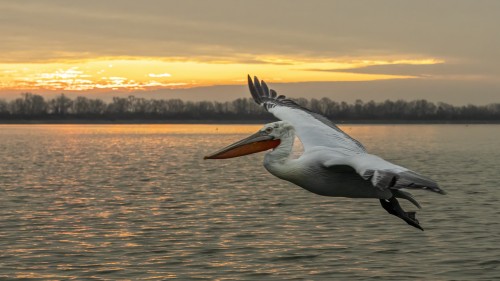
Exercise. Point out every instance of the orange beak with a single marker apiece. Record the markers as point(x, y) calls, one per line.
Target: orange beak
point(255, 143)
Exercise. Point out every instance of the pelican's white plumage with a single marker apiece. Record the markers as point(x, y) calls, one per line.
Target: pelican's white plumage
point(333, 163)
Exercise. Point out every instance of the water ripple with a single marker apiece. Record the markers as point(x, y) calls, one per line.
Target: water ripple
point(135, 202)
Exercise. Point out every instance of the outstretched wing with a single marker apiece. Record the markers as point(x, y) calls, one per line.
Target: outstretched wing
point(384, 174)
point(313, 129)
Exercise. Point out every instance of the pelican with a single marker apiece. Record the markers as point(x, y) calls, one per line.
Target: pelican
point(332, 164)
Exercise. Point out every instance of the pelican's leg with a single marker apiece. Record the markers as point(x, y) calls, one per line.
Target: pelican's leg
point(392, 206)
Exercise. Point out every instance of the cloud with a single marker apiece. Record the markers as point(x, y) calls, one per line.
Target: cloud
point(194, 29)
point(72, 79)
point(452, 71)
point(160, 75)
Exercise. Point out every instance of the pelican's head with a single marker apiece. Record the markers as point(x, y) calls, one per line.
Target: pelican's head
point(268, 137)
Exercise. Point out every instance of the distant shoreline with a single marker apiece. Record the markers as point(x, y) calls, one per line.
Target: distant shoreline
point(194, 121)
point(34, 109)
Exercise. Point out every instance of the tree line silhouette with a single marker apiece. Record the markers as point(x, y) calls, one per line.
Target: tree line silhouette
point(35, 107)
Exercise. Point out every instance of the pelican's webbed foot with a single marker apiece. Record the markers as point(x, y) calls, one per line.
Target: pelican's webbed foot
point(392, 206)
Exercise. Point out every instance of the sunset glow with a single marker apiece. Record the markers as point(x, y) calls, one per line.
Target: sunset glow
point(147, 74)
point(200, 50)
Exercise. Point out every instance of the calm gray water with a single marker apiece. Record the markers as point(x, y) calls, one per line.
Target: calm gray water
point(138, 202)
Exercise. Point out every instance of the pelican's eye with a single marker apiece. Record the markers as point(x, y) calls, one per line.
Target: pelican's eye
point(269, 130)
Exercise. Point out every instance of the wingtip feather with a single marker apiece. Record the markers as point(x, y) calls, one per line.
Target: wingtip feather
point(253, 90)
point(273, 94)
point(257, 86)
point(265, 88)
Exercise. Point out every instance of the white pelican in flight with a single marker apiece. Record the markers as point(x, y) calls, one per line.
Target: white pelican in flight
point(332, 164)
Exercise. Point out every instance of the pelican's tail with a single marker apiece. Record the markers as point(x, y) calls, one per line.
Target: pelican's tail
point(392, 206)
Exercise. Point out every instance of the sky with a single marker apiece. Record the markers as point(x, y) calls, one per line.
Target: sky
point(447, 50)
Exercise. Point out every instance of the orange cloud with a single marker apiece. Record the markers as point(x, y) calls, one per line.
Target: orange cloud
point(147, 73)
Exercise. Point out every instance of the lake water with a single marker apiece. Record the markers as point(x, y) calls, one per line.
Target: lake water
point(138, 202)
